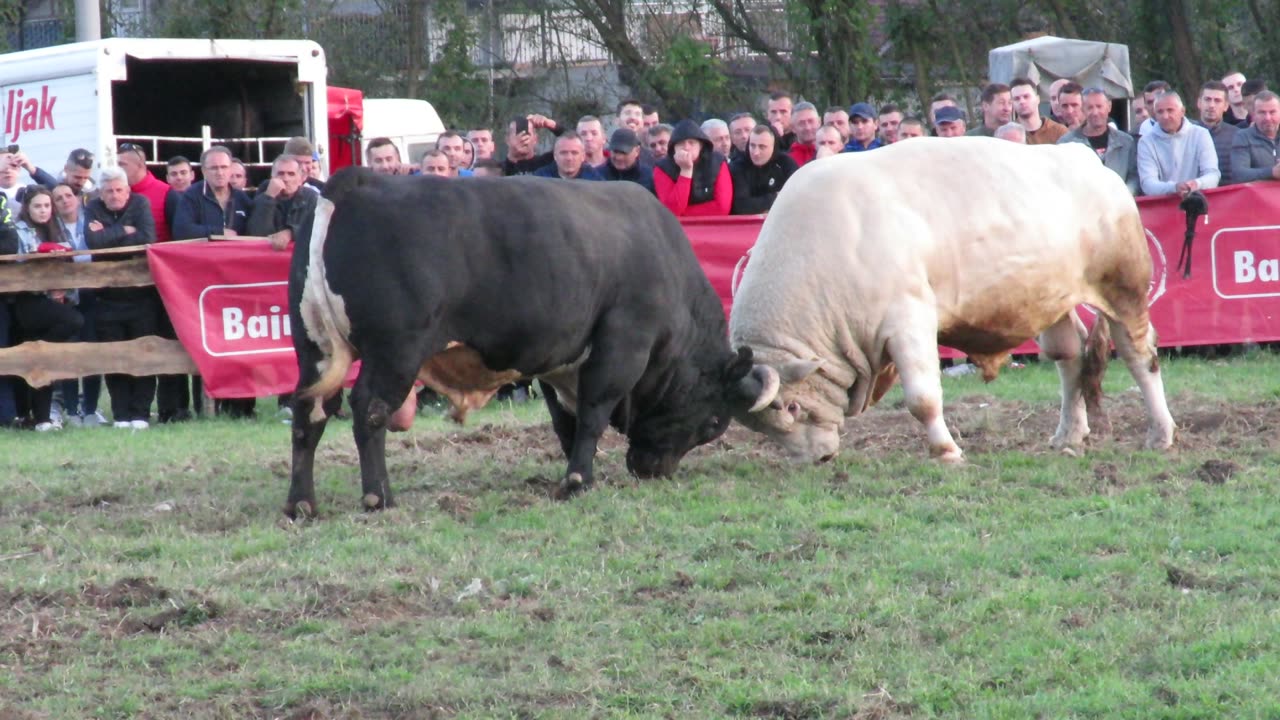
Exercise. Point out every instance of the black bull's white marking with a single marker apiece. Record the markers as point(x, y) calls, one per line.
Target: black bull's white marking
point(590, 287)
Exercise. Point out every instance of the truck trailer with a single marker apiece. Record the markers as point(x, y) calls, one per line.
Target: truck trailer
point(171, 97)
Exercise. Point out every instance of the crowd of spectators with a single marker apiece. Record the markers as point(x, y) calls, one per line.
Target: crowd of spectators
point(736, 164)
point(128, 205)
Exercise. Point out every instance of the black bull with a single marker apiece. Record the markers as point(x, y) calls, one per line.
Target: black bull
point(589, 286)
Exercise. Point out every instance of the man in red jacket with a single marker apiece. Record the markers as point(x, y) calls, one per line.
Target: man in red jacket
point(133, 160)
point(805, 122)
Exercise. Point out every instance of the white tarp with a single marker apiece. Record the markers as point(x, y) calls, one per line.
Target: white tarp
point(1045, 59)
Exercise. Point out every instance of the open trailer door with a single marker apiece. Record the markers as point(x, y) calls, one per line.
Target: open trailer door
point(346, 120)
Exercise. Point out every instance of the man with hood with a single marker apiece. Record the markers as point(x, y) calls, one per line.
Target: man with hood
point(693, 179)
point(1176, 155)
point(759, 176)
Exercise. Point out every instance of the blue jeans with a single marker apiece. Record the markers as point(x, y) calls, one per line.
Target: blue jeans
point(8, 409)
point(81, 395)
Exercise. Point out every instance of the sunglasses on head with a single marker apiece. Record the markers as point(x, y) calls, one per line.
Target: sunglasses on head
point(84, 160)
point(132, 147)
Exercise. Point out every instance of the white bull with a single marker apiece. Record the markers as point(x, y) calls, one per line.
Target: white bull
point(868, 261)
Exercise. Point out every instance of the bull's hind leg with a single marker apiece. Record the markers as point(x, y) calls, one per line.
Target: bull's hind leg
point(1063, 342)
point(1136, 344)
point(386, 377)
point(561, 420)
point(915, 352)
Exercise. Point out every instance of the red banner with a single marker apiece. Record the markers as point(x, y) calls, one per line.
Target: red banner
point(228, 301)
point(229, 304)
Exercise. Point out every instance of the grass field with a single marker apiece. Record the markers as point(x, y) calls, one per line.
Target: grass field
point(151, 575)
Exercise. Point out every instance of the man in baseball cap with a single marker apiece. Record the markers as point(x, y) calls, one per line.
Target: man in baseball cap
point(862, 128)
point(624, 159)
point(949, 121)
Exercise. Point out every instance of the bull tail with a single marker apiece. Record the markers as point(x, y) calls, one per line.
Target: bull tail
point(1097, 352)
point(324, 315)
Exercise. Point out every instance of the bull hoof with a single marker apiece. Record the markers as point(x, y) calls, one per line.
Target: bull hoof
point(949, 455)
point(1068, 441)
point(372, 502)
point(572, 485)
point(301, 510)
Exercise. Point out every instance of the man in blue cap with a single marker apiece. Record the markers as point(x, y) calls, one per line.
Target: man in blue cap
point(949, 122)
point(862, 128)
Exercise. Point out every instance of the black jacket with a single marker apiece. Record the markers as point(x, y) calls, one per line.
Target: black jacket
point(136, 212)
point(640, 173)
point(272, 214)
point(755, 187)
point(8, 233)
point(199, 214)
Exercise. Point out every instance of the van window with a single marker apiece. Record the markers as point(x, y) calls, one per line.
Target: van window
point(416, 150)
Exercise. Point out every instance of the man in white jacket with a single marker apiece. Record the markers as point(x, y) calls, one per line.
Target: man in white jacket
point(1177, 155)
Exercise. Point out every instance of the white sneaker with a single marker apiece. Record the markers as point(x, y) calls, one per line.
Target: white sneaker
point(93, 420)
point(74, 420)
point(123, 424)
point(47, 426)
point(140, 424)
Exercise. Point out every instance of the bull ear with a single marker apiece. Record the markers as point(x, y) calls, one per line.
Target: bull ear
point(739, 365)
point(760, 387)
point(796, 370)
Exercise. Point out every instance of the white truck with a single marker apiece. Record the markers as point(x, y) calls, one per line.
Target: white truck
point(172, 97)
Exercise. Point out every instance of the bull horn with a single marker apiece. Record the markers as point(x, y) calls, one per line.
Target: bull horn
point(769, 382)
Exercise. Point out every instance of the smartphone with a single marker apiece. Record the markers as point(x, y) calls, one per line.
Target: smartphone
point(14, 148)
point(522, 126)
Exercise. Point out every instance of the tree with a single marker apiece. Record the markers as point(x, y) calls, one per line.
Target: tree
point(846, 65)
point(452, 82)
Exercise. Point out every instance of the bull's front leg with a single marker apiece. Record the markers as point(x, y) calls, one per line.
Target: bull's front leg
point(913, 346)
point(612, 370)
point(309, 419)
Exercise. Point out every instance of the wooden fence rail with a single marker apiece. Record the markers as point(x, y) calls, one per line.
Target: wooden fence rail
point(41, 363)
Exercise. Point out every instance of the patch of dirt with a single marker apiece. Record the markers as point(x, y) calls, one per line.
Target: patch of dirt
point(1184, 579)
point(1216, 472)
point(458, 506)
point(16, 714)
point(676, 587)
point(125, 593)
point(1106, 473)
point(185, 616)
point(880, 706)
point(789, 709)
point(319, 710)
point(103, 500)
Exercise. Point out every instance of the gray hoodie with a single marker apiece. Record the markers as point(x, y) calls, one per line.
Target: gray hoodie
point(1166, 159)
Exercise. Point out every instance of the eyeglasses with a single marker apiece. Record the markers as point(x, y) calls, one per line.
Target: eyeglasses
point(83, 159)
point(133, 147)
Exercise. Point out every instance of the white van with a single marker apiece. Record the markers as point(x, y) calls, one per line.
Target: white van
point(413, 125)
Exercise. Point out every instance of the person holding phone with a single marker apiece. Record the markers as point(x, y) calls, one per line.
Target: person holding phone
point(522, 144)
point(11, 170)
